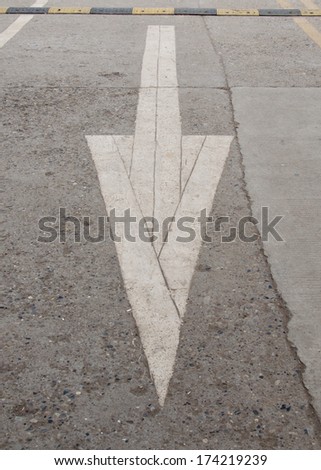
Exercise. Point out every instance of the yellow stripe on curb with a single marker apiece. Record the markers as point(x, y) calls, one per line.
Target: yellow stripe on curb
point(311, 12)
point(66, 11)
point(3, 10)
point(153, 11)
point(221, 12)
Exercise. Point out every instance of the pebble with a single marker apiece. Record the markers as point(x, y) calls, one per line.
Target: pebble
point(286, 407)
point(69, 394)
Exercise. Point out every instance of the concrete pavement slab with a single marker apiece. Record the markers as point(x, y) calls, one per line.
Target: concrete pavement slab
point(280, 142)
point(271, 52)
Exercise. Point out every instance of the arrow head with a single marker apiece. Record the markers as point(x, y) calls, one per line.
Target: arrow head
point(157, 282)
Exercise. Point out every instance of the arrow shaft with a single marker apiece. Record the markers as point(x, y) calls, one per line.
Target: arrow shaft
point(156, 161)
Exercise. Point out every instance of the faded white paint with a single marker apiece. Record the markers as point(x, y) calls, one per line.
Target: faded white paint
point(158, 172)
point(18, 24)
point(154, 311)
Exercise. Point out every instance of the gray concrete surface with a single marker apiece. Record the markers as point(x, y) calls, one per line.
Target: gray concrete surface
point(74, 373)
point(280, 141)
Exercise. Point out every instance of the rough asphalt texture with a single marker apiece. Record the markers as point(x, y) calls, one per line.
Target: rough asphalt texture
point(74, 375)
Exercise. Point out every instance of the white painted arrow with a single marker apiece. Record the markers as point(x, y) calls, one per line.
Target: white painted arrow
point(159, 173)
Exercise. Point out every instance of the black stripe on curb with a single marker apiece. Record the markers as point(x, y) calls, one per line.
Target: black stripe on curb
point(27, 11)
point(111, 11)
point(196, 11)
point(278, 12)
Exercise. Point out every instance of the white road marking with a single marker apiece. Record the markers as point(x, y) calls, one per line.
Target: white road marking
point(168, 131)
point(18, 24)
point(154, 311)
point(178, 258)
point(158, 172)
point(124, 145)
point(142, 166)
point(191, 147)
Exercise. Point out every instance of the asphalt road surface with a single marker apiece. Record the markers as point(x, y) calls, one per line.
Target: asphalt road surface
point(125, 345)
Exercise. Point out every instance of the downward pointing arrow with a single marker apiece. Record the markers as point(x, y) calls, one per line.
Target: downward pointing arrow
point(158, 173)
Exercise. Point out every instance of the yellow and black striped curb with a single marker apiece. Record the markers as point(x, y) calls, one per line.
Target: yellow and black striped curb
point(157, 11)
